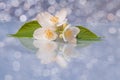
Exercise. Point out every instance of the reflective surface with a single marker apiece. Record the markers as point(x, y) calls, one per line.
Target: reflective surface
point(28, 59)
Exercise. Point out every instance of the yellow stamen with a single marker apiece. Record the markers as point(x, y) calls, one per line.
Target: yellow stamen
point(68, 33)
point(54, 19)
point(48, 34)
point(64, 25)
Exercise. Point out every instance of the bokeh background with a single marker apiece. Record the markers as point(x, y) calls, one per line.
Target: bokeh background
point(79, 11)
point(99, 61)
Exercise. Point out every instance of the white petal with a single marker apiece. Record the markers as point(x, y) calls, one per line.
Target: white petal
point(64, 37)
point(61, 15)
point(62, 22)
point(75, 31)
point(38, 34)
point(44, 19)
point(71, 35)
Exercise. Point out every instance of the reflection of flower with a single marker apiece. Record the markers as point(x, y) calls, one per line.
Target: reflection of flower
point(69, 51)
point(47, 52)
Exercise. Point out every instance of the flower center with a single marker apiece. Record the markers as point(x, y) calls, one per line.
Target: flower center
point(48, 34)
point(68, 33)
point(54, 19)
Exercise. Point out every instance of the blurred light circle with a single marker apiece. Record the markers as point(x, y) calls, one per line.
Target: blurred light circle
point(110, 6)
point(112, 30)
point(2, 44)
point(15, 3)
point(110, 17)
point(71, 0)
point(54, 71)
point(31, 12)
point(26, 6)
point(51, 9)
point(46, 73)
point(119, 30)
point(18, 12)
point(51, 2)
point(118, 13)
point(99, 14)
point(83, 2)
point(8, 77)
point(23, 18)
point(4, 17)
point(111, 58)
point(16, 66)
point(17, 54)
point(2, 5)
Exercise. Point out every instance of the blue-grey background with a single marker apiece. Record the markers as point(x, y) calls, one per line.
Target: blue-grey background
point(98, 61)
point(79, 11)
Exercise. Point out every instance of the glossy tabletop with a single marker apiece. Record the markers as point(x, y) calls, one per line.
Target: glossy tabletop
point(28, 59)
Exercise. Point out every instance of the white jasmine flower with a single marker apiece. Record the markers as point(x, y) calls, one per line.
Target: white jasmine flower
point(69, 34)
point(46, 19)
point(45, 33)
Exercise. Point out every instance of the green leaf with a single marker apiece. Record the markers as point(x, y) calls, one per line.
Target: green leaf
point(27, 29)
point(86, 34)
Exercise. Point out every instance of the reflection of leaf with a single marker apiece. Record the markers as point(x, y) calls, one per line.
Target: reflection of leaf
point(27, 43)
point(86, 34)
point(27, 29)
point(82, 44)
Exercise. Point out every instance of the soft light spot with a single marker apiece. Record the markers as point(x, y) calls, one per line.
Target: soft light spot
point(26, 6)
point(46, 73)
point(54, 71)
point(16, 66)
point(118, 13)
point(15, 3)
point(2, 44)
point(8, 77)
point(2, 5)
point(51, 9)
point(18, 12)
point(17, 55)
point(23, 18)
point(112, 30)
point(51, 2)
point(110, 17)
point(83, 2)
